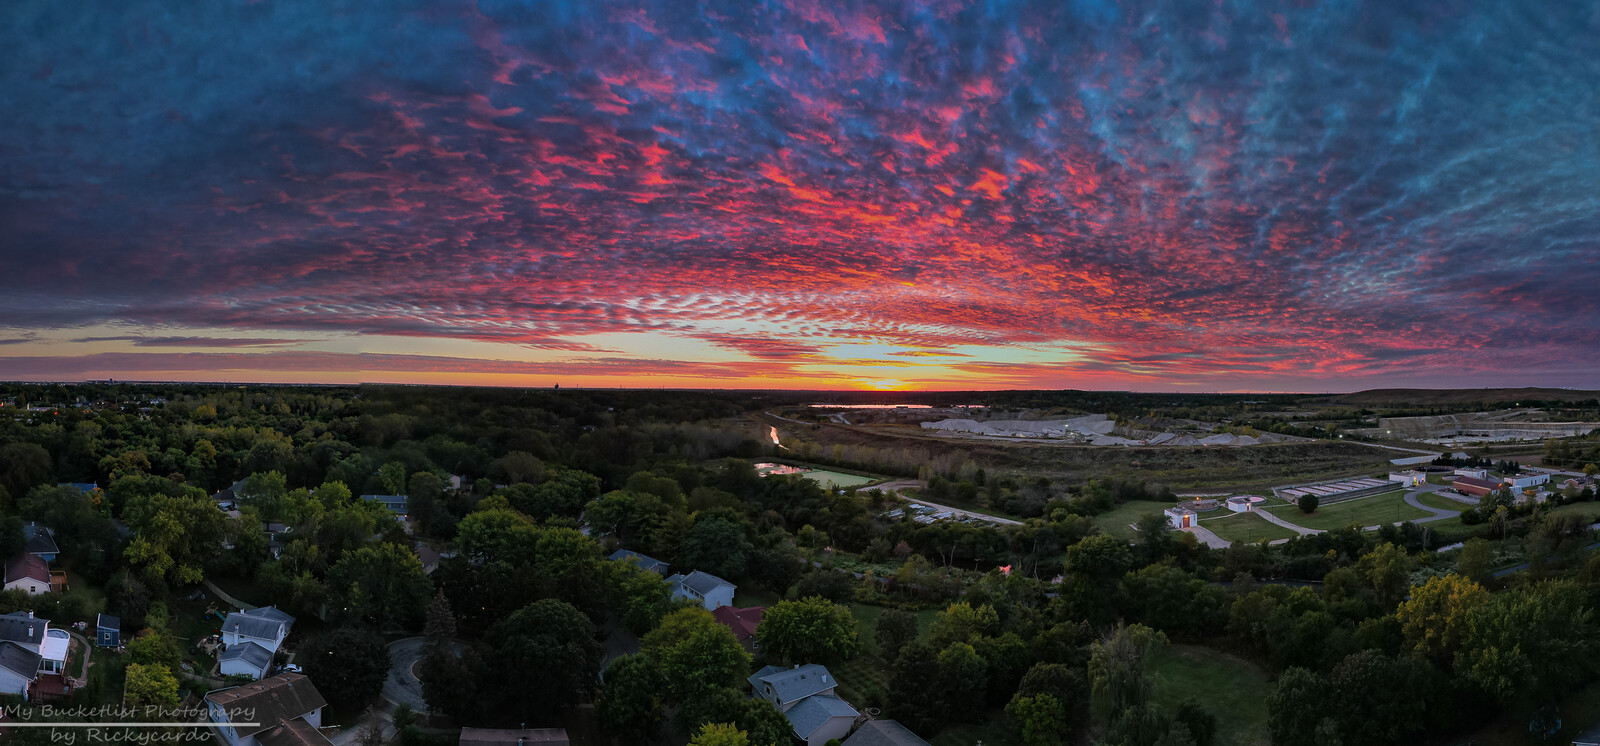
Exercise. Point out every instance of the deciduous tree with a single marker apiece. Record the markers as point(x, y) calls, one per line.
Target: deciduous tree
point(811, 630)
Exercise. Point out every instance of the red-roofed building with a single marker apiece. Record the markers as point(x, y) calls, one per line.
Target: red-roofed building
point(1477, 487)
point(743, 622)
point(29, 573)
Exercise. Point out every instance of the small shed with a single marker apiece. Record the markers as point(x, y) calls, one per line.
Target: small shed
point(107, 631)
point(1181, 517)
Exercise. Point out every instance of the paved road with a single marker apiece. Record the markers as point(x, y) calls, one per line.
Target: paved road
point(1302, 530)
point(403, 686)
point(959, 511)
point(1439, 514)
point(1208, 537)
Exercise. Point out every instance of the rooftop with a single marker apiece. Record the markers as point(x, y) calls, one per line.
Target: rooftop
point(275, 700)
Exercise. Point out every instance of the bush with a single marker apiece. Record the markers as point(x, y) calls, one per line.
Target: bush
point(1307, 503)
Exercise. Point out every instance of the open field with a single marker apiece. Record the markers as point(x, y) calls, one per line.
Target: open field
point(1231, 688)
point(1246, 527)
point(1589, 509)
point(1433, 397)
point(838, 479)
point(1116, 521)
point(1367, 511)
point(1247, 468)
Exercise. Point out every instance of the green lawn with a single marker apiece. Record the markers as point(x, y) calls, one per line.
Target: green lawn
point(867, 624)
point(1116, 520)
point(838, 480)
point(1367, 511)
point(1233, 689)
point(1590, 509)
point(1443, 503)
point(995, 732)
point(1246, 527)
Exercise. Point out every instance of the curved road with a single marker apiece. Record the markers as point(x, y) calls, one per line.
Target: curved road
point(402, 687)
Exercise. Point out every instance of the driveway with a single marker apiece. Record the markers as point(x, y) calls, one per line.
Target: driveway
point(1439, 514)
point(1302, 530)
point(1208, 537)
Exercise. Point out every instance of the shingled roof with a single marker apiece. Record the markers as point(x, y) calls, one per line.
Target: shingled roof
point(256, 656)
point(275, 701)
point(792, 684)
point(296, 732)
point(19, 660)
point(883, 733)
point(23, 627)
point(27, 565)
point(263, 623)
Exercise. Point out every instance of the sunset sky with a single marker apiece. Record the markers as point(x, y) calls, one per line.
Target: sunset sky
point(1212, 196)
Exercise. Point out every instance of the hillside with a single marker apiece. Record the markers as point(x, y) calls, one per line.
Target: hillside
point(1427, 397)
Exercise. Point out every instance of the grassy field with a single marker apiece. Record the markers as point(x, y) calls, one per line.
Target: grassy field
point(1443, 503)
point(1245, 527)
point(864, 679)
point(995, 732)
point(1116, 520)
point(1367, 511)
point(1591, 510)
point(838, 479)
point(1231, 688)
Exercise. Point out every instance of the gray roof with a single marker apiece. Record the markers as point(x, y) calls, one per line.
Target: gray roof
point(270, 701)
point(883, 733)
point(395, 503)
point(703, 583)
point(40, 540)
point(106, 621)
point(258, 657)
point(263, 623)
point(790, 684)
point(814, 712)
point(19, 660)
point(20, 626)
point(648, 563)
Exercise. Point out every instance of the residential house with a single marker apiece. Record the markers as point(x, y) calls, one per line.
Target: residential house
point(286, 711)
point(513, 736)
point(244, 659)
point(395, 504)
point(429, 557)
point(805, 695)
point(19, 668)
point(29, 573)
point(107, 631)
point(743, 622)
point(34, 634)
point(266, 626)
point(648, 563)
point(883, 733)
point(41, 541)
point(704, 588)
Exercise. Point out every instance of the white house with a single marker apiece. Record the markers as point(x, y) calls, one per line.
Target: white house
point(29, 573)
point(244, 659)
point(266, 626)
point(804, 694)
point(708, 590)
point(1408, 478)
point(33, 634)
point(1474, 473)
point(286, 711)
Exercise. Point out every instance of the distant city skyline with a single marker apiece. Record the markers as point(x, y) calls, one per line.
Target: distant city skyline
point(1144, 196)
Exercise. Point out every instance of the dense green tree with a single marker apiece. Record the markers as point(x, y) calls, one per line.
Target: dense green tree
point(719, 734)
point(697, 653)
point(174, 537)
point(715, 545)
point(383, 584)
point(913, 699)
point(631, 704)
point(961, 622)
point(963, 679)
point(896, 629)
point(1041, 719)
point(348, 664)
point(1529, 644)
point(149, 685)
point(1435, 617)
point(546, 656)
point(810, 630)
point(1117, 669)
